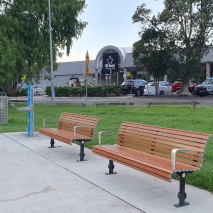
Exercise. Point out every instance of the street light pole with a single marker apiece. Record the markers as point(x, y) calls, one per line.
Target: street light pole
point(51, 58)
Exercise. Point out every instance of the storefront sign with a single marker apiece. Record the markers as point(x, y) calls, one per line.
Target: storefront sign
point(110, 62)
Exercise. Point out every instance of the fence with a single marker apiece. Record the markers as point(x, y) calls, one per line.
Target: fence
point(3, 109)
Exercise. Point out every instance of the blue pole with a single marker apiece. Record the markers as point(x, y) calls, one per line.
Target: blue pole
point(29, 112)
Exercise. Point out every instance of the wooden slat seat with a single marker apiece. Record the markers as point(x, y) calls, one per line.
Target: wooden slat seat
point(149, 149)
point(72, 127)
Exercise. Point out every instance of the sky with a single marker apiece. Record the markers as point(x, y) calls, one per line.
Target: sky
point(109, 23)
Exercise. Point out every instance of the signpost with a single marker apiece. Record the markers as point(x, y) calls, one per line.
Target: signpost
point(87, 72)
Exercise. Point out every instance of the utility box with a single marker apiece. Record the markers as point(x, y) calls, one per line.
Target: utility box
point(3, 109)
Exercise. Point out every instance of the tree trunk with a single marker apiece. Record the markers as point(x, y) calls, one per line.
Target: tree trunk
point(22, 85)
point(12, 87)
point(184, 90)
point(156, 86)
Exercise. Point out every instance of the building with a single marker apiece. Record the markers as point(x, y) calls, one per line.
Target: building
point(97, 76)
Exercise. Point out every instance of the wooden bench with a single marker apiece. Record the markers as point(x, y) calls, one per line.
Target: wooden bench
point(72, 127)
point(157, 151)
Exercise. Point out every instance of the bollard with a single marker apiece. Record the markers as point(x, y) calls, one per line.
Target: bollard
point(127, 104)
point(95, 104)
point(193, 104)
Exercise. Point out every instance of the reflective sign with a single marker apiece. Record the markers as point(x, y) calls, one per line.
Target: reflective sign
point(87, 58)
point(128, 74)
point(87, 70)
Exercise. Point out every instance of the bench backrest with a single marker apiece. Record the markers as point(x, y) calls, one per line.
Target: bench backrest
point(160, 141)
point(68, 121)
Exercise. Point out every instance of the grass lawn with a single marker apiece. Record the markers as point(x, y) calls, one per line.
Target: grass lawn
point(177, 117)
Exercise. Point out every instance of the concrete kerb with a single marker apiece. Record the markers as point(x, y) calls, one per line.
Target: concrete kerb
point(66, 182)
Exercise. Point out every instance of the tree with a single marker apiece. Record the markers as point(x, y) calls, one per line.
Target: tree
point(152, 52)
point(189, 23)
point(25, 27)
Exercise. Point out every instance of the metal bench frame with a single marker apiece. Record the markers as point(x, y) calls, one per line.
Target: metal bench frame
point(73, 130)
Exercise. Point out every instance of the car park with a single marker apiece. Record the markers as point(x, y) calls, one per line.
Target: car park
point(206, 88)
point(38, 90)
point(178, 84)
point(133, 87)
point(164, 88)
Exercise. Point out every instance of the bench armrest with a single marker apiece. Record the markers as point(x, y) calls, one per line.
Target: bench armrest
point(173, 155)
point(99, 135)
point(47, 119)
point(80, 127)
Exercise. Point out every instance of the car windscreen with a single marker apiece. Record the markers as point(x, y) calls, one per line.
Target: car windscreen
point(127, 83)
point(151, 84)
point(177, 82)
point(208, 81)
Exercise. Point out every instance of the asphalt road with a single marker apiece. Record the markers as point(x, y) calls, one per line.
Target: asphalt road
point(138, 101)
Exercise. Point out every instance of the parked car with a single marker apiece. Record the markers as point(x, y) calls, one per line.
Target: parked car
point(164, 88)
point(206, 88)
point(178, 84)
point(38, 90)
point(133, 87)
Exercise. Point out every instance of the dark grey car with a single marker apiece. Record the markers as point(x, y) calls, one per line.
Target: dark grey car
point(133, 87)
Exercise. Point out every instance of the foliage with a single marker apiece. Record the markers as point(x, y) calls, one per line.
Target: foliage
point(189, 24)
point(98, 91)
point(24, 36)
point(177, 117)
point(17, 93)
point(154, 52)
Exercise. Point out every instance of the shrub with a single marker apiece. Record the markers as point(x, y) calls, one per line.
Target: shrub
point(24, 92)
point(14, 93)
point(97, 91)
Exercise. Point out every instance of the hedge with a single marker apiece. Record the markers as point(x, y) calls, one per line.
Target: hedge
point(97, 91)
point(16, 93)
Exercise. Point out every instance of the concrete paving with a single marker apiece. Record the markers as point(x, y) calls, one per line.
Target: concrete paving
point(34, 178)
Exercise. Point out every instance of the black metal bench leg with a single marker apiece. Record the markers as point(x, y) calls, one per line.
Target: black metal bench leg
point(81, 152)
point(111, 167)
point(52, 142)
point(182, 194)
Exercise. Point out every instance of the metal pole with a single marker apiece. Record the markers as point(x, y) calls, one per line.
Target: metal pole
point(29, 112)
point(51, 58)
point(43, 87)
point(86, 91)
point(110, 77)
point(100, 76)
point(32, 112)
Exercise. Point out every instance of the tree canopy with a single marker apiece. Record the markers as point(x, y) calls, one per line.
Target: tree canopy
point(152, 52)
point(189, 24)
point(24, 35)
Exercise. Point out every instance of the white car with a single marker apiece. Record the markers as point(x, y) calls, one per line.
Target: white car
point(164, 88)
point(38, 90)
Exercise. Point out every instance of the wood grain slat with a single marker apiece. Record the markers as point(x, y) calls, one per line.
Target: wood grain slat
point(159, 134)
point(168, 130)
point(189, 155)
point(65, 129)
